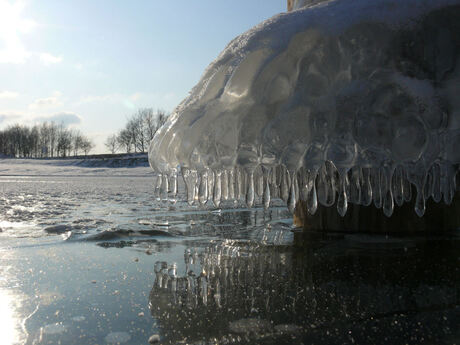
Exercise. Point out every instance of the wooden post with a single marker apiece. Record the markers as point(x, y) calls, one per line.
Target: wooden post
point(438, 217)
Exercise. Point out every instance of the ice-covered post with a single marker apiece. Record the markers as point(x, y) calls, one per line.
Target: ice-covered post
point(348, 111)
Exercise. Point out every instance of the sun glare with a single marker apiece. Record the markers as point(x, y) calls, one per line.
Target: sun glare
point(12, 25)
point(8, 323)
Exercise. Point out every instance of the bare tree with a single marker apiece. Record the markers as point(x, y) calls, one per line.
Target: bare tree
point(124, 140)
point(150, 125)
point(87, 146)
point(112, 143)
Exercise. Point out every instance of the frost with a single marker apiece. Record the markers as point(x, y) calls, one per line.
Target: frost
point(345, 101)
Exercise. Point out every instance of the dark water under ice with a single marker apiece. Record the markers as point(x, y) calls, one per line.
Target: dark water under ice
point(98, 260)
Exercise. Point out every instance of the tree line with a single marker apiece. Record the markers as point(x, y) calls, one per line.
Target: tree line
point(138, 132)
point(43, 141)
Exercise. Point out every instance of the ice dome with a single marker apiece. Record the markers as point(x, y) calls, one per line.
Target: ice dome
point(336, 102)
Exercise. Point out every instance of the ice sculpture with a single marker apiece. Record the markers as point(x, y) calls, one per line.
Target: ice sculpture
point(339, 102)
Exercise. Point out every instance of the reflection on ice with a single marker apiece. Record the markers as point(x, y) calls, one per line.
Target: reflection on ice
point(336, 291)
point(9, 324)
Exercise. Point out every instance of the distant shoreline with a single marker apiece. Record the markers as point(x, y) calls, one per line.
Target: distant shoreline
point(102, 164)
point(90, 156)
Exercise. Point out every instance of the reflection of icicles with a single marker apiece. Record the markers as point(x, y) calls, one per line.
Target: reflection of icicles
point(312, 201)
point(203, 189)
point(342, 201)
point(366, 188)
point(217, 188)
point(231, 184)
point(292, 197)
point(266, 196)
point(224, 185)
point(250, 190)
point(376, 191)
point(398, 186)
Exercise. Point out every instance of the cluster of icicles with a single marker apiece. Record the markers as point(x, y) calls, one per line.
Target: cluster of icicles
point(385, 187)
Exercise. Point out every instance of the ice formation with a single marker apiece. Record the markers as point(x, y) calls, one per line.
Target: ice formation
point(342, 101)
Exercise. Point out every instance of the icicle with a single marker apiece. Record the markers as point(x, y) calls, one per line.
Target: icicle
point(420, 202)
point(165, 187)
point(355, 185)
point(342, 201)
point(158, 185)
point(197, 190)
point(303, 181)
point(259, 183)
point(284, 186)
point(279, 180)
point(436, 189)
point(292, 197)
point(366, 188)
point(210, 184)
point(388, 202)
point(173, 184)
point(428, 184)
point(190, 179)
point(312, 200)
point(266, 196)
point(217, 188)
point(274, 188)
point(238, 184)
point(448, 183)
point(224, 181)
point(203, 189)
point(407, 187)
point(397, 186)
point(296, 187)
point(231, 184)
point(331, 181)
point(322, 183)
point(250, 190)
point(376, 188)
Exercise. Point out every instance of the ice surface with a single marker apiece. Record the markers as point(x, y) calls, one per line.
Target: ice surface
point(345, 101)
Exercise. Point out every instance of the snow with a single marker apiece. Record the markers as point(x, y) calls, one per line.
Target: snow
point(129, 165)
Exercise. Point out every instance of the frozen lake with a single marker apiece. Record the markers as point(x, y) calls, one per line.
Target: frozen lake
point(93, 258)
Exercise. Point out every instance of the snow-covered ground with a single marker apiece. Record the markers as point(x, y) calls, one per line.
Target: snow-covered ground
point(116, 166)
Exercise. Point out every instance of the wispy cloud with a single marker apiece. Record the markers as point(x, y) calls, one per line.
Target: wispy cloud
point(66, 118)
point(132, 101)
point(8, 94)
point(49, 59)
point(10, 116)
point(47, 102)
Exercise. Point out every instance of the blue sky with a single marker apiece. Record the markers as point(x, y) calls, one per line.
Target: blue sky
point(92, 63)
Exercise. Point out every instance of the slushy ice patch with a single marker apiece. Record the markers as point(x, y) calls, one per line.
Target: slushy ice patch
point(345, 101)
